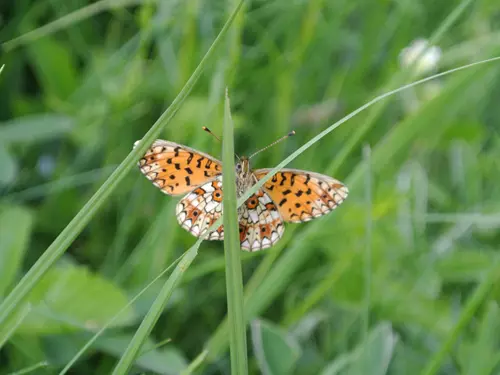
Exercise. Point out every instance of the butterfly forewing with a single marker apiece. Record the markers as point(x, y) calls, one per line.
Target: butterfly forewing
point(302, 195)
point(177, 169)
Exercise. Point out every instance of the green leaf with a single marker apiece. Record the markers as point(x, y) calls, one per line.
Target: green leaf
point(54, 66)
point(481, 356)
point(15, 230)
point(71, 298)
point(465, 265)
point(374, 355)
point(109, 323)
point(8, 329)
point(168, 360)
point(275, 350)
point(370, 357)
point(8, 166)
point(34, 128)
point(466, 131)
point(468, 311)
point(24, 352)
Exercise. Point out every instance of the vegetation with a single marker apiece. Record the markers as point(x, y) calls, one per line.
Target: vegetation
point(401, 279)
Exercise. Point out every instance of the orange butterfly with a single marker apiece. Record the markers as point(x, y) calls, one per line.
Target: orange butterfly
point(290, 195)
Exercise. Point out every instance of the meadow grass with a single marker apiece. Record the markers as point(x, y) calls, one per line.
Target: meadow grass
point(234, 279)
point(401, 278)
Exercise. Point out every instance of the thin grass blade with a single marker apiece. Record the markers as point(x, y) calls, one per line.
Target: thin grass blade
point(89, 343)
point(70, 19)
point(234, 282)
point(134, 348)
point(466, 316)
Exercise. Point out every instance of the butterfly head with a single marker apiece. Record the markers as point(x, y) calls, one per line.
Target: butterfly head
point(243, 168)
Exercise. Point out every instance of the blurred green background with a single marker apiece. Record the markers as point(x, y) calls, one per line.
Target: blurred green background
point(376, 287)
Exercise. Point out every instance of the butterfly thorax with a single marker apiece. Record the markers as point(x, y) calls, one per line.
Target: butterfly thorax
point(244, 176)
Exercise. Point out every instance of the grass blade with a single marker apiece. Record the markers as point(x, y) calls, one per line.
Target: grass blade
point(89, 343)
point(29, 369)
point(234, 282)
point(11, 327)
point(68, 20)
point(195, 363)
point(66, 237)
point(465, 317)
point(398, 79)
point(368, 248)
point(142, 333)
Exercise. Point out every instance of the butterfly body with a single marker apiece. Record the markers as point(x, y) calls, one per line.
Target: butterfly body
point(245, 179)
point(290, 195)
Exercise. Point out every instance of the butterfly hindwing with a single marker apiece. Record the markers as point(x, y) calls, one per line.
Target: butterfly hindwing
point(301, 195)
point(199, 209)
point(177, 169)
point(260, 223)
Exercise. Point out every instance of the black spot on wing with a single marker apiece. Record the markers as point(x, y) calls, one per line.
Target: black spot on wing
point(198, 162)
point(283, 179)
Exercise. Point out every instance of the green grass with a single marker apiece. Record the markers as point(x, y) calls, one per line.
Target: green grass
point(63, 241)
point(400, 278)
point(234, 282)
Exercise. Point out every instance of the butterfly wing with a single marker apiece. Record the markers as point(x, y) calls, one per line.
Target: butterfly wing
point(301, 195)
point(261, 225)
point(177, 169)
point(199, 209)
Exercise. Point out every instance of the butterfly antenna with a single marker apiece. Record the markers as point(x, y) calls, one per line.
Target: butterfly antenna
point(213, 135)
point(272, 144)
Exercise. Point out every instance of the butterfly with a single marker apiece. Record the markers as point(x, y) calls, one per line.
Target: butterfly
point(291, 195)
